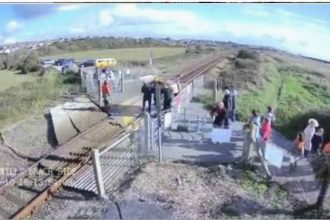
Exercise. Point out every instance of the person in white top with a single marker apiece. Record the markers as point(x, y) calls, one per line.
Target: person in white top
point(309, 132)
point(270, 114)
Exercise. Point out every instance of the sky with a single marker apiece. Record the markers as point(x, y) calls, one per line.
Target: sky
point(298, 28)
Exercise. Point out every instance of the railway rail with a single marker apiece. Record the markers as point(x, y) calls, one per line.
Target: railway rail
point(26, 193)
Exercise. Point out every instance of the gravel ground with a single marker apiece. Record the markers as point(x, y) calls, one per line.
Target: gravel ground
point(177, 191)
point(10, 164)
point(33, 136)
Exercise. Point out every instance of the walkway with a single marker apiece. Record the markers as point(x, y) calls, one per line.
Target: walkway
point(195, 146)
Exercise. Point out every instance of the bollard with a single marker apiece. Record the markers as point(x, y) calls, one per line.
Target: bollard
point(98, 173)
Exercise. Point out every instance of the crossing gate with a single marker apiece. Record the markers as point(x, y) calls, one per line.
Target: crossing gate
point(92, 79)
point(112, 161)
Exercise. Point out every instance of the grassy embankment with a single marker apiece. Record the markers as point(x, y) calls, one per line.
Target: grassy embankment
point(296, 92)
point(10, 78)
point(25, 98)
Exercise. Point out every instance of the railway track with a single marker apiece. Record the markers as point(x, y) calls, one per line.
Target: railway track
point(26, 193)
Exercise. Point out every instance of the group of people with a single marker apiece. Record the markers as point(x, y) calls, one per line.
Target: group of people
point(259, 133)
point(225, 109)
point(308, 143)
point(168, 90)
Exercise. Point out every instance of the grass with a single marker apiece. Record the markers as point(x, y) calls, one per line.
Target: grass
point(10, 78)
point(294, 95)
point(259, 99)
point(17, 102)
point(126, 54)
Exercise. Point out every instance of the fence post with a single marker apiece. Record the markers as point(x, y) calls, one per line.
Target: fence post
point(98, 173)
point(122, 81)
point(158, 107)
point(147, 131)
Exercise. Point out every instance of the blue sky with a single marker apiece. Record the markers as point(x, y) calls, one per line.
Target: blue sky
point(297, 28)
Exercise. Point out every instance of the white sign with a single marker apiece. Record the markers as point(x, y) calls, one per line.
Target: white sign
point(167, 120)
point(274, 155)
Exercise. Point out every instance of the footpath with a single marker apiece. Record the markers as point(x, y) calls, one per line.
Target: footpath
point(195, 146)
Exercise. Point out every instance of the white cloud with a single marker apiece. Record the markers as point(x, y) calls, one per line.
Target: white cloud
point(279, 28)
point(70, 7)
point(171, 21)
point(9, 40)
point(13, 26)
point(105, 18)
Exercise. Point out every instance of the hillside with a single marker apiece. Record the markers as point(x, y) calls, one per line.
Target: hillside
point(297, 87)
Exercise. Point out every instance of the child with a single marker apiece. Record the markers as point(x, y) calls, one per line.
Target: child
point(297, 150)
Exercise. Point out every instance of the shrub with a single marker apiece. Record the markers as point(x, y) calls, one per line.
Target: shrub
point(248, 54)
point(70, 77)
point(246, 64)
point(30, 63)
point(299, 122)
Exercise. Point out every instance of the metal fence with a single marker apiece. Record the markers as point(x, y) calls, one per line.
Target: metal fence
point(92, 79)
point(113, 160)
point(143, 138)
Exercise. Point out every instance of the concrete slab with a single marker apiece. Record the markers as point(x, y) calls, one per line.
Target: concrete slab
point(72, 118)
point(197, 147)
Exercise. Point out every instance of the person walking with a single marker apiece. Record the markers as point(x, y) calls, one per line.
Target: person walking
point(317, 140)
point(309, 132)
point(146, 90)
point(219, 113)
point(168, 95)
point(227, 103)
point(266, 131)
point(270, 114)
point(326, 148)
point(249, 137)
point(106, 90)
point(297, 150)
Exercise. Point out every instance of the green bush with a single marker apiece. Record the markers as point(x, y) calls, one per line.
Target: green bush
point(246, 64)
point(248, 54)
point(71, 77)
point(298, 122)
point(30, 63)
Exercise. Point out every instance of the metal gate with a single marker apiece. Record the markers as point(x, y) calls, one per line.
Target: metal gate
point(92, 79)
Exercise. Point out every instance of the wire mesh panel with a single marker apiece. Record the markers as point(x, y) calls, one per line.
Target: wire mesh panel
point(90, 83)
point(92, 78)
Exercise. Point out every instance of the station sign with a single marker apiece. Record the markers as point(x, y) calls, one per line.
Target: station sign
point(105, 63)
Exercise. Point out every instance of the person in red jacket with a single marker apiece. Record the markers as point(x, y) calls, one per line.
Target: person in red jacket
point(106, 89)
point(266, 131)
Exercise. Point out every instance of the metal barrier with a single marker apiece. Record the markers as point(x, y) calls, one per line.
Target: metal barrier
point(142, 138)
point(113, 160)
point(91, 81)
